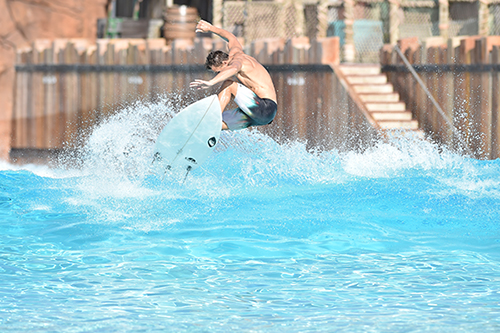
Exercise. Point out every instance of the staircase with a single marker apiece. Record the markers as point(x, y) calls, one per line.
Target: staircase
point(378, 97)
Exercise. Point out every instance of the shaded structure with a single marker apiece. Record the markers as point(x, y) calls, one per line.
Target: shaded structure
point(65, 87)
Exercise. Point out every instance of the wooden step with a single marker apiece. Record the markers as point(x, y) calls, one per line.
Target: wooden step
point(360, 69)
point(402, 133)
point(389, 97)
point(395, 106)
point(379, 98)
point(400, 124)
point(366, 79)
point(391, 115)
point(373, 88)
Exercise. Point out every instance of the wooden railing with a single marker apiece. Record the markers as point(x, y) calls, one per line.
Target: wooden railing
point(463, 76)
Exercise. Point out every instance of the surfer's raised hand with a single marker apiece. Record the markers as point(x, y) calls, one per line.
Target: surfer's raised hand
point(203, 26)
point(200, 84)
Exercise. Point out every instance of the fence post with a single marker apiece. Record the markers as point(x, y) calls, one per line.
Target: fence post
point(394, 6)
point(483, 17)
point(300, 28)
point(322, 18)
point(349, 51)
point(217, 12)
point(444, 18)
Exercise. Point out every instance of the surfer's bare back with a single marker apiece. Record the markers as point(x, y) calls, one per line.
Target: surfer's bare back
point(253, 91)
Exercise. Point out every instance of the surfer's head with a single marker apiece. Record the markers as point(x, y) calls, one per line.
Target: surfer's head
point(216, 59)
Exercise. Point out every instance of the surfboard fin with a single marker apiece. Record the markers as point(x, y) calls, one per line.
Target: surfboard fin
point(167, 169)
point(156, 157)
point(188, 169)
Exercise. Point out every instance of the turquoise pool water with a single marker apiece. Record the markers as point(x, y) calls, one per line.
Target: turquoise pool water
point(264, 237)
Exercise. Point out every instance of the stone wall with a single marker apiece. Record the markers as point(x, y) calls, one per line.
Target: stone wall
point(22, 22)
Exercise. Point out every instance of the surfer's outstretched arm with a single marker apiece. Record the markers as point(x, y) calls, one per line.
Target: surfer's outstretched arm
point(225, 74)
point(232, 42)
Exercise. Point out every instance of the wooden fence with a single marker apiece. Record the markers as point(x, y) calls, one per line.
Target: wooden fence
point(463, 75)
point(65, 87)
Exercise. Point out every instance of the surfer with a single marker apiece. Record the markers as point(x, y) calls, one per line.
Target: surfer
point(253, 91)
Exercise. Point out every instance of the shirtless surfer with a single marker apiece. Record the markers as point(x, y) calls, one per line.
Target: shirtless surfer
point(254, 93)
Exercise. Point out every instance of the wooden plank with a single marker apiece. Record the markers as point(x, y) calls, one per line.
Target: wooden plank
point(430, 115)
point(485, 97)
point(35, 82)
point(448, 58)
point(495, 106)
point(459, 100)
point(70, 98)
point(152, 58)
point(301, 107)
point(443, 130)
point(313, 107)
point(28, 84)
point(420, 96)
point(144, 87)
point(59, 119)
point(40, 114)
point(288, 107)
point(168, 78)
point(116, 77)
point(50, 100)
point(93, 87)
point(133, 80)
point(87, 120)
point(477, 137)
point(101, 82)
point(20, 106)
point(325, 107)
point(108, 87)
point(468, 46)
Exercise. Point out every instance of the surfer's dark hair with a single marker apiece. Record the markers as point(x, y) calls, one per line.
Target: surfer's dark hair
point(216, 58)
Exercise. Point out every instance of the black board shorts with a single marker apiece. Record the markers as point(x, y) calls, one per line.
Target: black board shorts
point(251, 111)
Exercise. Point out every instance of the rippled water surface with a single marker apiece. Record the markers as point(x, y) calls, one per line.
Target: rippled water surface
point(263, 237)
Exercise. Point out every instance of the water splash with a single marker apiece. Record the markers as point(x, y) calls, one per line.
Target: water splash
point(115, 162)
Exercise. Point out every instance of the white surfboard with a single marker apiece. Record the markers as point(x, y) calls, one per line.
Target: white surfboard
point(189, 138)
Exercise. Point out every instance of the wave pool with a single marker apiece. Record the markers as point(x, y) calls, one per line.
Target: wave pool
point(264, 237)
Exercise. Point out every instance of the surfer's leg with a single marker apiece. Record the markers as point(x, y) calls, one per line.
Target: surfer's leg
point(227, 91)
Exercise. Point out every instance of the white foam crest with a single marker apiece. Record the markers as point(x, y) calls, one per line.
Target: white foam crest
point(116, 165)
point(40, 170)
point(121, 145)
point(261, 160)
point(388, 159)
point(116, 157)
point(473, 188)
point(478, 179)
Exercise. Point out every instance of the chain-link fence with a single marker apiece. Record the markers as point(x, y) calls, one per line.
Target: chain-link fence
point(421, 22)
point(368, 29)
point(261, 19)
point(463, 19)
point(373, 21)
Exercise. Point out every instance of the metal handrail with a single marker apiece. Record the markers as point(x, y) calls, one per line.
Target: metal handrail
point(433, 100)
